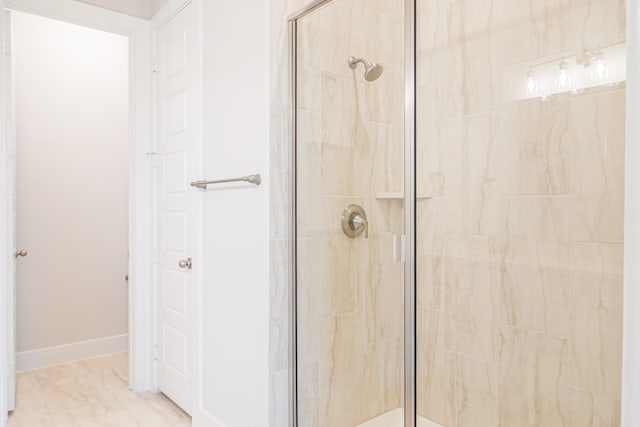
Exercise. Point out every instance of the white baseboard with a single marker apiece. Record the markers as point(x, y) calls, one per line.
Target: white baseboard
point(45, 357)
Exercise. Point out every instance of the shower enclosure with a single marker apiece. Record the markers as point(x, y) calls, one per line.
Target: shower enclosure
point(458, 211)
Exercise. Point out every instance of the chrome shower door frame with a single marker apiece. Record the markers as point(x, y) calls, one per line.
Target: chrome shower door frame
point(410, 411)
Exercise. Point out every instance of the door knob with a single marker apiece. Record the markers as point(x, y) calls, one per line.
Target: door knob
point(21, 253)
point(185, 263)
point(354, 222)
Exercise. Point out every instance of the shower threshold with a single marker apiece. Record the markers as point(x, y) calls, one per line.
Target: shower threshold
point(395, 418)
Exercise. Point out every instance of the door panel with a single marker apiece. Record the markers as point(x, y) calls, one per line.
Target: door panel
point(176, 140)
point(349, 212)
point(521, 142)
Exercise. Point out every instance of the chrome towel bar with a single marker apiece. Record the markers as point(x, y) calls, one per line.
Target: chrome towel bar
point(251, 179)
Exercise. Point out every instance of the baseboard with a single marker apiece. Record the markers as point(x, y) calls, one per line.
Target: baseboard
point(43, 358)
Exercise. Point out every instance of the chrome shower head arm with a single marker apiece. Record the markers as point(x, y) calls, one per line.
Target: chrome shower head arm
point(353, 62)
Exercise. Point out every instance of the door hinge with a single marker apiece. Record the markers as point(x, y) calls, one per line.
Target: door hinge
point(153, 157)
point(9, 155)
point(7, 47)
point(155, 256)
point(156, 353)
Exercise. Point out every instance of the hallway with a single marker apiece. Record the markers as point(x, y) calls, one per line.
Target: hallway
point(90, 393)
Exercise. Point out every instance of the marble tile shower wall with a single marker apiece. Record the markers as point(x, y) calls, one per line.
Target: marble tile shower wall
point(520, 248)
point(350, 149)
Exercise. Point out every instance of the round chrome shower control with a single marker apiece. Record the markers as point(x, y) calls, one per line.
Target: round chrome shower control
point(354, 222)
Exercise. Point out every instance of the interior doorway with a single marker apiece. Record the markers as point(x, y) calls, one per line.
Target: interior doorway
point(71, 167)
point(132, 304)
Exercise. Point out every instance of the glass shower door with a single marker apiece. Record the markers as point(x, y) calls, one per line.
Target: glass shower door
point(349, 214)
point(520, 142)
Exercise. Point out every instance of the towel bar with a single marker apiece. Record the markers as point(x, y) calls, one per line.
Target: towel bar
point(251, 179)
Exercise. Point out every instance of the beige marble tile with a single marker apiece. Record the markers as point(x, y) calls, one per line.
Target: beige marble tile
point(430, 278)
point(538, 218)
point(534, 281)
point(309, 396)
point(346, 270)
point(473, 83)
point(473, 174)
point(434, 388)
point(345, 138)
point(385, 45)
point(310, 56)
point(431, 233)
point(597, 23)
point(278, 306)
point(475, 384)
point(472, 323)
point(432, 147)
point(595, 339)
point(88, 393)
point(385, 152)
point(384, 173)
point(384, 292)
point(384, 380)
point(530, 30)
point(432, 35)
point(538, 145)
point(534, 379)
point(343, 371)
point(311, 280)
point(392, 9)
point(334, 265)
point(279, 177)
point(309, 181)
point(430, 244)
point(472, 298)
point(592, 409)
point(343, 34)
point(597, 128)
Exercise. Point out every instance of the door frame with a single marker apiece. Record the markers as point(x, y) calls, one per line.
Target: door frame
point(137, 30)
point(631, 303)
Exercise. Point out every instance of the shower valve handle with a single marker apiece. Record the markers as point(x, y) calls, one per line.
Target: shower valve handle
point(354, 222)
point(358, 222)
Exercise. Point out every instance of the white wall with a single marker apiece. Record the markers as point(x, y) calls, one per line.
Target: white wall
point(236, 221)
point(139, 8)
point(71, 90)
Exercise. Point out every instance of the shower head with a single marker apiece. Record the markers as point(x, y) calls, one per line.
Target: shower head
point(372, 70)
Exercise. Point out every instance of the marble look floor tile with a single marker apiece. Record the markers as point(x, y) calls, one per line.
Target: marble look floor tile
point(90, 393)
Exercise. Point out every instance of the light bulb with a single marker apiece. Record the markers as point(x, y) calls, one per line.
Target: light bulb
point(599, 69)
point(532, 83)
point(563, 81)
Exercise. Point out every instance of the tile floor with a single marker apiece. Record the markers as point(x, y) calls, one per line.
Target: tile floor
point(90, 393)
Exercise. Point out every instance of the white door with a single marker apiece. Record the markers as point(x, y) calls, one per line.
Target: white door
point(13, 258)
point(177, 137)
